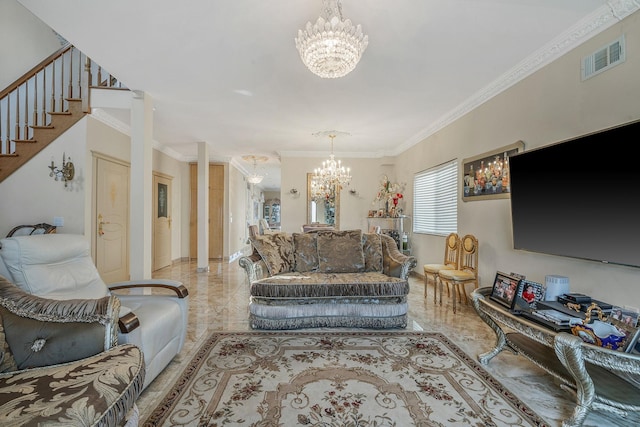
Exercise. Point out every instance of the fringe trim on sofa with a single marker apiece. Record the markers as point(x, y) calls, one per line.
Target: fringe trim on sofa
point(30, 306)
point(329, 322)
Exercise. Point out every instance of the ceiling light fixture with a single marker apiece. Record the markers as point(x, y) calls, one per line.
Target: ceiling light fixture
point(254, 178)
point(332, 173)
point(332, 46)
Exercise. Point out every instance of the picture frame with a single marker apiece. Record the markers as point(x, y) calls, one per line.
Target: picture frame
point(486, 176)
point(529, 293)
point(505, 289)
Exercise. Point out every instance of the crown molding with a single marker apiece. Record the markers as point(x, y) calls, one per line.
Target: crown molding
point(601, 19)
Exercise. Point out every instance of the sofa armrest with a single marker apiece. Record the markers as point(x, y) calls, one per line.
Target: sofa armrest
point(139, 285)
point(128, 319)
point(394, 262)
point(254, 266)
point(41, 332)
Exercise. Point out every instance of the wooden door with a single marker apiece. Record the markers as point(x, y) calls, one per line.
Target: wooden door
point(111, 226)
point(161, 221)
point(216, 211)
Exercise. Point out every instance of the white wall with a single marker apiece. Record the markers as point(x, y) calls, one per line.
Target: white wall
point(549, 106)
point(31, 196)
point(40, 43)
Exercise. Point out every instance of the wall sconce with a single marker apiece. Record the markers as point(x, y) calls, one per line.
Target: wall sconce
point(353, 192)
point(293, 191)
point(65, 173)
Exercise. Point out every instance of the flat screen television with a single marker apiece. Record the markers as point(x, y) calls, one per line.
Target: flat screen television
point(580, 198)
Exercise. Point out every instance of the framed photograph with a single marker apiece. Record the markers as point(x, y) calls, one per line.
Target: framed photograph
point(626, 316)
point(372, 213)
point(487, 176)
point(529, 293)
point(505, 289)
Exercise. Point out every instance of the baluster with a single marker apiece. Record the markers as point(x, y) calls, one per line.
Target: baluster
point(80, 69)
point(8, 142)
point(35, 100)
point(61, 101)
point(17, 136)
point(44, 100)
point(53, 86)
point(26, 110)
point(2, 147)
point(71, 73)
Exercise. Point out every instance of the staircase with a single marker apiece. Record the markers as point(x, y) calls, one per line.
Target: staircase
point(45, 102)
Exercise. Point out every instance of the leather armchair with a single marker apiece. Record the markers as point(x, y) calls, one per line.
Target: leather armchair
point(59, 362)
point(59, 266)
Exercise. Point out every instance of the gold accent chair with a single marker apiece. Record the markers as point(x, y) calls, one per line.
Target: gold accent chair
point(467, 271)
point(450, 262)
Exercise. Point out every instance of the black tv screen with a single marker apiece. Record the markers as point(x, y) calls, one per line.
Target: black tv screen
point(580, 198)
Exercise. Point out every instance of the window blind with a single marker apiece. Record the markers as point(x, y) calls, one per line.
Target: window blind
point(435, 200)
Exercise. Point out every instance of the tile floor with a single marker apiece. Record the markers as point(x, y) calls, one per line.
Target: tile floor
point(219, 302)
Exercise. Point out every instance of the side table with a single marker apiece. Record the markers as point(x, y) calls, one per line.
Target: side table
point(600, 378)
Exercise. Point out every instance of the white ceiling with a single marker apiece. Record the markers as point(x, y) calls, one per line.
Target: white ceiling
point(228, 73)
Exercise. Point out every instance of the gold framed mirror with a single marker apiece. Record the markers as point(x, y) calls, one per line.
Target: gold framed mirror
point(323, 210)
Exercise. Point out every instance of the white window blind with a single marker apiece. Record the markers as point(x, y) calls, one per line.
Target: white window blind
point(435, 200)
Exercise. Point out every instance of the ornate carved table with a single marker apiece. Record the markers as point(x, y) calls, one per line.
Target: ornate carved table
point(600, 378)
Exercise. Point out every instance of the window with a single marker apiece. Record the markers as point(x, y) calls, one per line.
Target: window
point(435, 200)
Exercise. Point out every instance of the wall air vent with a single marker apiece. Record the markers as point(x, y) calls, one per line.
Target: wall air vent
point(604, 58)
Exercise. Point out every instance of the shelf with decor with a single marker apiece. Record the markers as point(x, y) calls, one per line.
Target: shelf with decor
point(394, 227)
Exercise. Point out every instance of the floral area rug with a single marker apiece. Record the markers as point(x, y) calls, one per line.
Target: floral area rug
point(337, 379)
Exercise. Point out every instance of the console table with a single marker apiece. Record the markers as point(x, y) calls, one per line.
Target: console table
point(594, 374)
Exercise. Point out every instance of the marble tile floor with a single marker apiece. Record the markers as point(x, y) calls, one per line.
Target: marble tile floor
point(219, 302)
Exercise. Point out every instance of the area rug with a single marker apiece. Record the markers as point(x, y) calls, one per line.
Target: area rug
point(364, 378)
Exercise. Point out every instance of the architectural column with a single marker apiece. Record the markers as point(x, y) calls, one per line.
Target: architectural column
point(203, 207)
point(141, 195)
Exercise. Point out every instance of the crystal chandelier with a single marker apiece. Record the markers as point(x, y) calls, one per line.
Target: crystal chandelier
point(254, 178)
point(332, 173)
point(332, 46)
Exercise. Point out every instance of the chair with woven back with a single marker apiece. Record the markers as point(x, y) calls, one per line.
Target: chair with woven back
point(450, 262)
point(467, 271)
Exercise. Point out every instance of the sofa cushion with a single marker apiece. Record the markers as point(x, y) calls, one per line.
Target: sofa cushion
point(340, 251)
point(305, 252)
point(56, 266)
point(276, 250)
point(372, 250)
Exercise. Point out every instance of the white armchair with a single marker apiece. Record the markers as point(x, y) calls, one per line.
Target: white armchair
point(59, 266)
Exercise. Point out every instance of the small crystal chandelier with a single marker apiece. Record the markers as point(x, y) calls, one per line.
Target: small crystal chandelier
point(332, 173)
point(332, 46)
point(254, 178)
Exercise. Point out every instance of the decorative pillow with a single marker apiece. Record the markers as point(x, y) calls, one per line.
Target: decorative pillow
point(340, 251)
point(305, 252)
point(276, 251)
point(7, 362)
point(372, 250)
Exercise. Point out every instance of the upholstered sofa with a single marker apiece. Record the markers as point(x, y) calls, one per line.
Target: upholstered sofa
point(60, 363)
point(327, 279)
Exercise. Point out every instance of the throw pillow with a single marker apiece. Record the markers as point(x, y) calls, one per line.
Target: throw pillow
point(340, 251)
point(7, 362)
point(372, 250)
point(276, 250)
point(305, 252)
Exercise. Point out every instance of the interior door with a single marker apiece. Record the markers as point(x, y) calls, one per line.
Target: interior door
point(112, 220)
point(216, 211)
point(161, 221)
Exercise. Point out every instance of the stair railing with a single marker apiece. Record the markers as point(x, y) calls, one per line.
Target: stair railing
point(28, 102)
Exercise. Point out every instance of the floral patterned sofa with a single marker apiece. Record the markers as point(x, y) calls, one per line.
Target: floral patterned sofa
point(60, 363)
point(327, 279)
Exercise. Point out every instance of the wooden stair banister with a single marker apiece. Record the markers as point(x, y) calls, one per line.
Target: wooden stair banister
point(44, 102)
